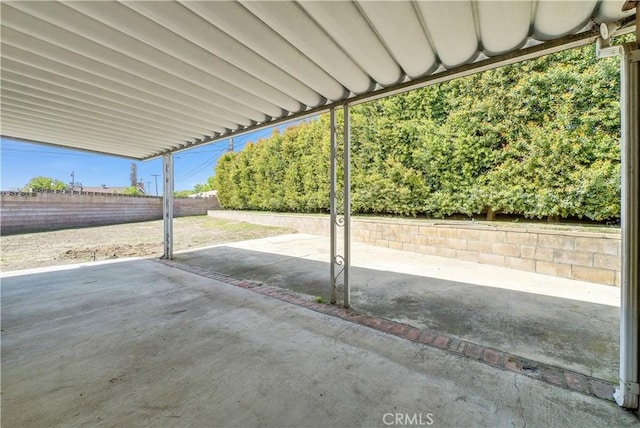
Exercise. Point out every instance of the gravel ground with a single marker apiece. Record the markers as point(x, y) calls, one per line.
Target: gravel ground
point(123, 240)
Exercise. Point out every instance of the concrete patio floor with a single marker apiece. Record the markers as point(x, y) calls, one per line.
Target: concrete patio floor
point(564, 323)
point(138, 343)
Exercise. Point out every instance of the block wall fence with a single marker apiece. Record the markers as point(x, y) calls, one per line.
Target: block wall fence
point(34, 212)
point(584, 256)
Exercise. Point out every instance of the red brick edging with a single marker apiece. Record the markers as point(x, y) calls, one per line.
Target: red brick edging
point(556, 376)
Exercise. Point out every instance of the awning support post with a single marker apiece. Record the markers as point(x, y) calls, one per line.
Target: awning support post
point(339, 264)
point(629, 390)
point(333, 216)
point(347, 205)
point(167, 205)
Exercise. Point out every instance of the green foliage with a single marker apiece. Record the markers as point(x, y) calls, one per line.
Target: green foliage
point(203, 187)
point(182, 193)
point(287, 172)
point(44, 183)
point(538, 138)
point(198, 188)
point(132, 190)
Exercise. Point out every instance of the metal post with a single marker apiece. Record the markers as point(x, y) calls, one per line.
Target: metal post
point(627, 393)
point(167, 200)
point(347, 204)
point(333, 217)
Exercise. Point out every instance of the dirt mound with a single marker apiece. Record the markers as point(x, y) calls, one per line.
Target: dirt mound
point(144, 239)
point(104, 252)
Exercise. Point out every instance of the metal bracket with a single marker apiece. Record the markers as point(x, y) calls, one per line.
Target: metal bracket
point(633, 388)
point(604, 50)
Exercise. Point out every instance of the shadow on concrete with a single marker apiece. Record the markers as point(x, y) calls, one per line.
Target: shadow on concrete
point(138, 343)
point(570, 334)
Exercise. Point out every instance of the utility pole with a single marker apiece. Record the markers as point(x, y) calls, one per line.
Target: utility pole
point(156, 177)
point(230, 144)
point(148, 183)
point(73, 180)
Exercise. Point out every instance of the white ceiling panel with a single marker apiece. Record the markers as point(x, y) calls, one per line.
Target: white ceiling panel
point(24, 84)
point(346, 25)
point(20, 93)
point(452, 29)
point(139, 79)
point(68, 57)
point(79, 116)
point(139, 59)
point(184, 55)
point(290, 21)
point(35, 112)
point(610, 10)
point(46, 69)
point(88, 132)
point(558, 18)
point(193, 28)
point(41, 133)
point(503, 25)
point(246, 28)
point(395, 23)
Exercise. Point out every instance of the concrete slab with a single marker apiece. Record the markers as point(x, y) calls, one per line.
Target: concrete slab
point(564, 323)
point(137, 343)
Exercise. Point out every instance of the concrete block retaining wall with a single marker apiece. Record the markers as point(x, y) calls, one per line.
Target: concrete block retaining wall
point(584, 256)
point(32, 212)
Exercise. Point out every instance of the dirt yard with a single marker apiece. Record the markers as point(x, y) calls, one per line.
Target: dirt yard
point(123, 240)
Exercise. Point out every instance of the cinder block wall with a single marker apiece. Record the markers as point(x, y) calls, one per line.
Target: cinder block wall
point(585, 256)
point(27, 212)
point(190, 206)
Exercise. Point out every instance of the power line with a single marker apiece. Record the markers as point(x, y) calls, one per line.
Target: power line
point(201, 166)
point(198, 168)
point(257, 136)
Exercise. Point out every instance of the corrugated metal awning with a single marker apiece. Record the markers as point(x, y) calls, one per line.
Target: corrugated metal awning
point(139, 79)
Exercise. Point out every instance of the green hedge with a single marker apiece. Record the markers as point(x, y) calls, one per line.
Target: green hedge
point(539, 138)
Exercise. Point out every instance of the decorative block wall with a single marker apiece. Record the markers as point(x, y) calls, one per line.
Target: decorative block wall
point(584, 256)
point(33, 212)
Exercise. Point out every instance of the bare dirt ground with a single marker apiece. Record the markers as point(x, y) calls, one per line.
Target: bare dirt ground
point(123, 240)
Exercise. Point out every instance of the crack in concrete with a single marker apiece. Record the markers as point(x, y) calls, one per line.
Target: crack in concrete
point(515, 384)
point(421, 352)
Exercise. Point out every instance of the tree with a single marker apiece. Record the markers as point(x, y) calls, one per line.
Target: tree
point(44, 183)
point(133, 175)
point(538, 138)
point(131, 190)
point(182, 193)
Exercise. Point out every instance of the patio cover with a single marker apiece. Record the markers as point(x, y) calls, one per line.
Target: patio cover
point(142, 79)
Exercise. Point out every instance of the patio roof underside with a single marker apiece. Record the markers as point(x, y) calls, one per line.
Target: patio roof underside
point(139, 79)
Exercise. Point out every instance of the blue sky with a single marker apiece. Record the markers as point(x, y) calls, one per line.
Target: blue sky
point(21, 161)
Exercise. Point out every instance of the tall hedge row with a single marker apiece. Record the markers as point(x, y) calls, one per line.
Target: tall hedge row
point(539, 138)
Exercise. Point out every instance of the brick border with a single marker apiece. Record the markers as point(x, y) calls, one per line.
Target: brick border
point(567, 379)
